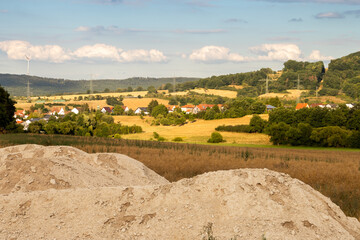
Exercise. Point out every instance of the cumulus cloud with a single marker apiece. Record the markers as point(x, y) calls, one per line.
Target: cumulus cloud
point(53, 53)
point(277, 52)
point(331, 15)
point(215, 54)
point(316, 56)
point(98, 51)
point(140, 55)
point(18, 49)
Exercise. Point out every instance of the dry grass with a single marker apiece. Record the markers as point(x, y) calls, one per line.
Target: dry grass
point(334, 173)
point(222, 93)
point(69, 97)
point(132, 103)
point(237, 86)
point(293, 94)
point(196, 132)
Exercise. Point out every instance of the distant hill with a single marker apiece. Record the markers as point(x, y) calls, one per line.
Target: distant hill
point(16, 84)
point(343, 75)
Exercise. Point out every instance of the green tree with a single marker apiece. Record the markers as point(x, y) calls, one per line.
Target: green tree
point(257, 124)
point(215, 138)
point(277, 132)
point(159, 109)
point(118, 110)
point(151, 105)
point(7, 109)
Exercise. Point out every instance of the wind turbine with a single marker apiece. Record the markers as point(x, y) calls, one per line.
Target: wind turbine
point(28, 58)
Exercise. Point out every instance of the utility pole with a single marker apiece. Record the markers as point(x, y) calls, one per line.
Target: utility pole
point(267, 83)
point(174, 82)
point(298, 88)
point(91, 84)
point(28, 93)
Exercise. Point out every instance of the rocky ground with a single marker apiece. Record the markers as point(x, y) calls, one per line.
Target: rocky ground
point(64, 193)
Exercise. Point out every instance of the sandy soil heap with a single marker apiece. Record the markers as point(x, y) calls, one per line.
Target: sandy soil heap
point(35, 167)
point(246, 204)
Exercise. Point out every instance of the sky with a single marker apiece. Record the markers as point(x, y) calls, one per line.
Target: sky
point(117, 39)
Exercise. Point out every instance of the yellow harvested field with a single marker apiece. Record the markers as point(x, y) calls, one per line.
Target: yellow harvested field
point(196, 132)
point(237, 86)
point(134, 103)
point(293, 94)
point(69, 97)
point(222, 93)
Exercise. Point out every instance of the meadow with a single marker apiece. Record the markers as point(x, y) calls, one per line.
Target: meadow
point(195, 132)
point(333, 172)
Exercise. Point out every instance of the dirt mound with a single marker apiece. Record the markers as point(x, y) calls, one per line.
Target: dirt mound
point(239, 204)
point(35, 167)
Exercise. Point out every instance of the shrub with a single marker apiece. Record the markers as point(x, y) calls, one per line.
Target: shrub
point(215, 138)
point(156, 135)
point(161, 139)
point(178, 139)
point(117, 136)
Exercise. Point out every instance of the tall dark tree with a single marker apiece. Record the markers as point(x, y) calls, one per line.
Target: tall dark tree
point(7, 109)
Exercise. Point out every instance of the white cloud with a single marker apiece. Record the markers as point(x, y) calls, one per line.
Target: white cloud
point(331, 15)
point(82, 29)
point(277, 52)
point(215, 54)
point(98, 51)
point(140, 55)
point(316, 56)
point(17, 50)
point(53, 53)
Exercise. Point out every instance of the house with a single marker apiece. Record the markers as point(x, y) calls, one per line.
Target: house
point(75, 110)
point(171, 108)
point(106, 110)
point(349, 105)
point(314, 105)
point(301, 105)
point(269, 108)
point(57, 110)
point(19, 114)
point(139, 110)
point(187, 108)
point(203, 107)
point(126, 109)
point(331, 106)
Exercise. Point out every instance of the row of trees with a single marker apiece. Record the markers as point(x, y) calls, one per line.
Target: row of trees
point(93, 124)
point(307, 127)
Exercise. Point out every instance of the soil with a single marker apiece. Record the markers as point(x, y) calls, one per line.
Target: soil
point(63, 193)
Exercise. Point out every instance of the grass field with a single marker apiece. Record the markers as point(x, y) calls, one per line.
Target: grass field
point(196, 132)
point(222, 93)
point(132, 103)
point(335, 173)
point(293, 94)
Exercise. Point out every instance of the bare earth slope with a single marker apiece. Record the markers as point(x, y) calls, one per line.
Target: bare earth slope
point(244, 203)
point(35, 167)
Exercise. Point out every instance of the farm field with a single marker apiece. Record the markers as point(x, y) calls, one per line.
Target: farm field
point(112, 94)
point(293, 94)
point(222, 93)
point(132, 103)
point(196, 132)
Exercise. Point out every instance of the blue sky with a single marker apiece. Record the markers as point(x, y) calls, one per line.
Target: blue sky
point(75, 39)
